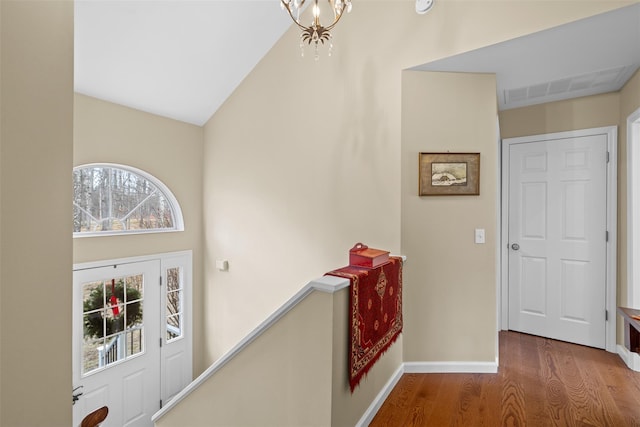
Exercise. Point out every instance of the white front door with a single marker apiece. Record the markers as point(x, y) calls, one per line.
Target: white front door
point(557, 230)
point(116, 342)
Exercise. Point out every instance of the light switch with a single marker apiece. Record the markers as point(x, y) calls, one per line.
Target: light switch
point(222, 264)
point(479, 235)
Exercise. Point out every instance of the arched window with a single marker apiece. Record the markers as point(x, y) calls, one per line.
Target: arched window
point(115, 199)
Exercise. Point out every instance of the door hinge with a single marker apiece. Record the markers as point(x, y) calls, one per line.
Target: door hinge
point(160, 280)
point(606, 315)
point(161, 342)
point(607, 157)
point(160, 403)
point(606, 236)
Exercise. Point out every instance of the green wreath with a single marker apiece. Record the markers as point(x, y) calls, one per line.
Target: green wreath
point(93, 322)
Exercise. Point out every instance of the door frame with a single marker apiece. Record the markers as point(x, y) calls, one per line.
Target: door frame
point(166, 259)
point(611, 132)
point(106, 382)
point(633, 208)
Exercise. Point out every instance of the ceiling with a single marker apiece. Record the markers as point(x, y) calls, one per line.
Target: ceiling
point(183, 58)
point(175, 58)
point(594, 55)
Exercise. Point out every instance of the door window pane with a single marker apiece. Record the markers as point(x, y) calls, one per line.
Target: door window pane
point(112, 320)
point(135, 342)
point(175, 293)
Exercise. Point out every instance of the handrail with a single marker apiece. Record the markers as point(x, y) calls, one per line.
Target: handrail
point(327, 284)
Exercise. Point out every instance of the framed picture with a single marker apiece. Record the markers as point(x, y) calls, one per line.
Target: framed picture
point(449, 174)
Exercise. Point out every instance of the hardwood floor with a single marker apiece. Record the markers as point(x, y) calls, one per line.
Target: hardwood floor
point(540, 382)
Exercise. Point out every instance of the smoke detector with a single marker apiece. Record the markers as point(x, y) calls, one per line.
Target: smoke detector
point(423, 6)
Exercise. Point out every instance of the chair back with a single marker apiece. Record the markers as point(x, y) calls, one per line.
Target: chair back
point(95, 418)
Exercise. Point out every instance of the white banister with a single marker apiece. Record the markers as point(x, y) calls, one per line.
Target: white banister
point(325, 284)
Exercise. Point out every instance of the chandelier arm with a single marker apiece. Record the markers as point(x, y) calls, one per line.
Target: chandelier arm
point(290, 12)
point(332, 6)
point(336, 20)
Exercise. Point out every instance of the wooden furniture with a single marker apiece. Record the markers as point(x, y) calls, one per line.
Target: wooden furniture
point(95, 418)
point(631, 328)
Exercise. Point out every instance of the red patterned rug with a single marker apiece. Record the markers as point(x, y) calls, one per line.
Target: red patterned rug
point(375, 313)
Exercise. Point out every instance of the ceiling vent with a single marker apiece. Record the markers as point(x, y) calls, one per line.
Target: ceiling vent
point(610, 80)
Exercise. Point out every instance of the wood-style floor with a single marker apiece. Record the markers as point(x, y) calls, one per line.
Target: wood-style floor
point(540, 383)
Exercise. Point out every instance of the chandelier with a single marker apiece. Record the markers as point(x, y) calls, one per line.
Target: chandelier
point(316, 32)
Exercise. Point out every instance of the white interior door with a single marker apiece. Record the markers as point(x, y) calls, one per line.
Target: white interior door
point(116, 342)
point(557, 225)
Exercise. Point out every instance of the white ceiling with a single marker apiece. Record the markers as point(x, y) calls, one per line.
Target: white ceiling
point(183, 58)
point(594, 55)
point(175, 58)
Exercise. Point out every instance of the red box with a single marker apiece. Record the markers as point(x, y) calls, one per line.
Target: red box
point(363, 256)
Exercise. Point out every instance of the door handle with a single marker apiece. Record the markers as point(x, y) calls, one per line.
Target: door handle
point(515, 246)
point(76, 396)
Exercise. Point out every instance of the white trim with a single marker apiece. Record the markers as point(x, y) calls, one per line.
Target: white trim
point(612, 193)
point(633, 208)
point(129, 260)
point(451, 367)
point(498, 262)
point(504, 237)
point(328, 284)
point(612, 244)
point(84, 234)
point(375, 406)
point(423, 368)
point(631, 359)
point(178, 218)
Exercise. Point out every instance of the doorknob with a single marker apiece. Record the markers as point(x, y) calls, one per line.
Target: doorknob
point(515, 246)
point(76, 396)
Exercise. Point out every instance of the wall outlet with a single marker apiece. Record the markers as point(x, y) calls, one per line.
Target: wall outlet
point(479, 235)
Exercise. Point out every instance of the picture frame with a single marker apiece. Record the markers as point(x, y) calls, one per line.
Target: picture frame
point(449, 174)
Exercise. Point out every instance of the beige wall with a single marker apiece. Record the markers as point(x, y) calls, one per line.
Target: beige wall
point(167, 149)
point(347, 408)
point(580, 113)
point(450, 292)
point(35, 229)
point(295, 374)
point(303, 152)
point(281, 379)
point(611, 109)
point(304, 159)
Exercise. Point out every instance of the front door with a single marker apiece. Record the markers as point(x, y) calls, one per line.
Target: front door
point(116, 342)
point(557, 225)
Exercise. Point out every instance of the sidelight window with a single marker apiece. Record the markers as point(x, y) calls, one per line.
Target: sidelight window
point(175, 296)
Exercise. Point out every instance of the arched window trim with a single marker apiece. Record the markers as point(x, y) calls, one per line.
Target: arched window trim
point(173, 203)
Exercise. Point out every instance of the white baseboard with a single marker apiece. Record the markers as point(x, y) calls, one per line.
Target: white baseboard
point(631, 359)
point(372, 410)
point(451, 367)
point(423, 368)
